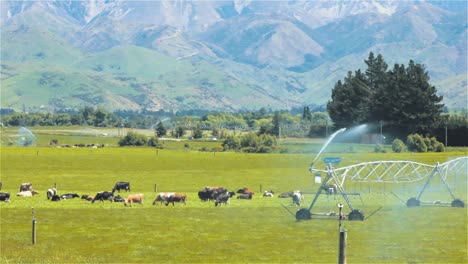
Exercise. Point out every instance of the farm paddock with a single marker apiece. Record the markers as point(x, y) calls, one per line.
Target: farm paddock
point(245, 231)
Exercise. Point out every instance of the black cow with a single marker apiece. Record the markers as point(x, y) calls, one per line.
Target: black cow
point(69, 196)
point(245, 196)
point(119, 199)
point(101, 196)
point(121, 186)
point(5, 197)
point(55, 198)
point(210, 193)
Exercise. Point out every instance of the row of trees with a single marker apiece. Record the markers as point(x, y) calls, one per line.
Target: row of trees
point(402, 98)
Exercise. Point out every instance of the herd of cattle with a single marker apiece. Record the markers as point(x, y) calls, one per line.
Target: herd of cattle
point(218, 195)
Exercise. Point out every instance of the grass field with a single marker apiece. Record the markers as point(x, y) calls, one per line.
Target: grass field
point(256, 231)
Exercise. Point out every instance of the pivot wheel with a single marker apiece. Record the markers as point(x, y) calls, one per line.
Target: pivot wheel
point(303, 214)
point(458, 203)
point(356, 214)
point(413, 202)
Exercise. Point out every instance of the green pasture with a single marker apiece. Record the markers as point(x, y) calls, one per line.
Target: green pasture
point(262, 230)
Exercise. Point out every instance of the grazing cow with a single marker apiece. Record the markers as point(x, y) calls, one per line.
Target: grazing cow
point(176, 198)
point(27, 193)
point(245, 196)
point(5, 197)
point(51, 192)
point(245, 191)
point(297, 198)
point(224, 198)
point(27, 186)
point(55, 198)
point(330, 189)
point(87, 197)
point(210, 193)
point(103, 196)
point(121, 186)
point(69, 196)
point(285, 195)
point(118, 199)
point(162, 197)
point(134, 198)
point(269, 193)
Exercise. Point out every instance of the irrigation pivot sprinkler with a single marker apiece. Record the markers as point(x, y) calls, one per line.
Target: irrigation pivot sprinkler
point(392, 172)
point(305, 214)
point(332, 176)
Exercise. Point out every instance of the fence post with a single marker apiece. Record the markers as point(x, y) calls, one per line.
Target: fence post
point(260, 188)
point(342, 239)
point(155, 187)
point(33, 227)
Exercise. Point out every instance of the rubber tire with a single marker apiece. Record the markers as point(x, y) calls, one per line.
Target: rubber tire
point(458, 203)
point(413, 202)
point(355, 215)
point(303, 214)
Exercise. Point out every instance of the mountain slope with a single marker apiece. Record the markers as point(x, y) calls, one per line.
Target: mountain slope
point(224, 55)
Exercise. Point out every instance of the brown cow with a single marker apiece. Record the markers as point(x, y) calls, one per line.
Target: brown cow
point(245, 191)
point(176, 198)
point(87, 197)
point(134, 198)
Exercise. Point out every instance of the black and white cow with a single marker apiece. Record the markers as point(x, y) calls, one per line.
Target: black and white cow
point(69, 196)
point(55, 198)
point(101, 196)
point(5, 197)
point(121, 186)
point(297, 198)
point(269, 193)
point(27, 186)
point(51, 192)
point(224, 198)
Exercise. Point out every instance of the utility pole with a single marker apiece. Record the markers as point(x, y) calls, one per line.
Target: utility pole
point(380, 138)
point(446, 135)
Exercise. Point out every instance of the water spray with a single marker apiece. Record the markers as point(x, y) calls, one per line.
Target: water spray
point(325, 145)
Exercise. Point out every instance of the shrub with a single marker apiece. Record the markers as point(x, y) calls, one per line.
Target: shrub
point(154, 142)
point(439, 147)
point(264, 149)
point(415, 143)
point(378, 148)
point(187, 145)
point(248, 150)
point(398, 145)
point(231, 142)
point(133, 139)
point(217, 149)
